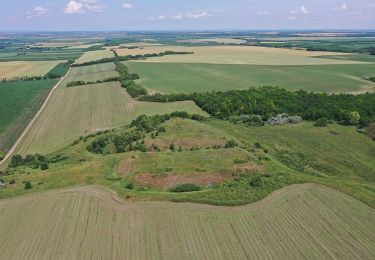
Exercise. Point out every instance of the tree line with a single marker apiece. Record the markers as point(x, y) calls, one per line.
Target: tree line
point(82, 82)
point(270, 101)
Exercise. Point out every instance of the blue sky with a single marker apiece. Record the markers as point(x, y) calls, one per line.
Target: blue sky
point(185, 14)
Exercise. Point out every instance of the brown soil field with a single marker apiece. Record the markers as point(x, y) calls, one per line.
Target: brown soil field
point(297, 222)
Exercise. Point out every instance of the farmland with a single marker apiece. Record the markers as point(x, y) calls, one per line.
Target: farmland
point(12, 69)
point(301, 221)
point(237, 55)
point(186, 77)
point(76, 111)
point(238, 67)
point(19, 102)
point(94, 55)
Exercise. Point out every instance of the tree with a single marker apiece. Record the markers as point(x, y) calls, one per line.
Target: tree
point(172, 147)
point(230, 144)
point(2, 155)
point(352, 118)
point(16, 160)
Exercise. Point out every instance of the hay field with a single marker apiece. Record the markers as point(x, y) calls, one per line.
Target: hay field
point(72, 112)
point(297, 222)
point(94, 55)
point(237, 55)
point(215, 40)
point(12, 69)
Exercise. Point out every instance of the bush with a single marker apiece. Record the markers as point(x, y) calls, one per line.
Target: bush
point(321, 122)
point(256, 181)
point(187, 187)
point(171, 147)
point(230, 144)
point(28, 185)
point(13, 181)
point(129, 186)
point(16, 160)
point(44, 166)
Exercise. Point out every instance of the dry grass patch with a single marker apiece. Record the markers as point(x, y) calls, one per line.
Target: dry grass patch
point(94, 55)
point(13, 69)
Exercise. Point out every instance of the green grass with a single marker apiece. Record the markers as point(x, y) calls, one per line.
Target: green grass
point(185, 78)
point(18, 103)
point(60, 69)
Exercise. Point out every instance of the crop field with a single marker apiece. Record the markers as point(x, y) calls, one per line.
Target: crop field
point(301, 221)
point(186, 77)
point(18, 103)
point(237, 55)
point(94, 55)
point(12, 69)
point(72, 112)
point(215, 40)
point(91, 73)
point(47, 55)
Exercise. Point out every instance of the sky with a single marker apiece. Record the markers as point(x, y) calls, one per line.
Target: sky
point(129, 15)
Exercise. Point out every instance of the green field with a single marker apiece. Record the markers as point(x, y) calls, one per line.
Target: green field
point(187, 77)
point(302, 221)
point(91, 73)
point(18, 103)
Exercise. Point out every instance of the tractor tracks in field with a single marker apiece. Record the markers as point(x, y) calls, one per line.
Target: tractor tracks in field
point(30, 124)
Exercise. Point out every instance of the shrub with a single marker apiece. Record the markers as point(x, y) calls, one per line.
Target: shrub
point(44, 166)
point(257, 145)
point(186, 187)
point(230, 144)
point(129, 186)
point(28, 185)
point(321, 122)
point(256, 181)
point(12, 181)
point(172, 147)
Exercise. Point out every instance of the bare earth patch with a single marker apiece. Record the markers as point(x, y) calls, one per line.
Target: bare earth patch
point(125, 167)
point(170, 180)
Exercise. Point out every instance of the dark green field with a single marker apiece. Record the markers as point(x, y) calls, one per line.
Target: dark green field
point(18, 102)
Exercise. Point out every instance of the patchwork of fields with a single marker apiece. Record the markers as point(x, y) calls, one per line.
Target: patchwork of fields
point(75, 111)
point(12, 69)
point(301, 221)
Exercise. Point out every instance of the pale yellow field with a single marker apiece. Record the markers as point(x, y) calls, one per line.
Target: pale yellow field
point(298, 222)
point(94, 55)
point(217, 40)
point(12, 69)
point(83, 45)
point(75, 111)
point(236, 55)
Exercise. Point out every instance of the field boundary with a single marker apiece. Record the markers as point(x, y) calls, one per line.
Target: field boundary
point(112, 198)
point(19, 139)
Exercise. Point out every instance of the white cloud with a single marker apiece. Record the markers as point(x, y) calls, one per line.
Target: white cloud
point(74, 7)
point(344, 6)
point(81, 6)
point(291, 18)
point(37, 12)
point(198, 15)
point(182, 16)
point(302, 10)
point(261, 13)
point(127, 6)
